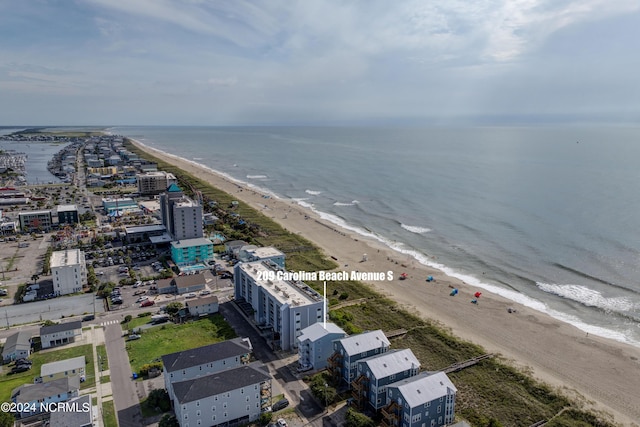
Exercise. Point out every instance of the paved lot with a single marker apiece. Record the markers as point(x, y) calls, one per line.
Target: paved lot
point(51, 309)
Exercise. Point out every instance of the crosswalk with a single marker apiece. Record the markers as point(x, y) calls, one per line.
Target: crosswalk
point(109, 322)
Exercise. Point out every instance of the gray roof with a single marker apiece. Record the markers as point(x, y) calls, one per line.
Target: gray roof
point(188, 243)
point(31, 392)
point(19, 341)
point(207, 354)
point(60, 327)
point(364, 342)
point(190, 281)
point(220, 382)
point(62, 366)
point(317, 330)
point(75, 418)
point(391, 362)
point(425, 387)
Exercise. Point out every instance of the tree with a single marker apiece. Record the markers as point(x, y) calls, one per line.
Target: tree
point(168, 420)
point(35, 278)
point(356, 419)
point(173, 308)
point(6, 419)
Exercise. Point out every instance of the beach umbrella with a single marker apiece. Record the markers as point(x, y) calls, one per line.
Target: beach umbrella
point(430, 279)
point(474, 301)
point(477, 294)
point(403, 276)
point(454, 292)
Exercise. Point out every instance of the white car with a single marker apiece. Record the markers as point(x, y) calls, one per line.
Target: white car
point(205, 292)
point(281, 422)
point(190, 295)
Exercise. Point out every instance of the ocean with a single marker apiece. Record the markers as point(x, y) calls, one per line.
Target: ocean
point(544, 216)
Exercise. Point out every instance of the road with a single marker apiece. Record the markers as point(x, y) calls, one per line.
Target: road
point(125, 395)
point(280, 367)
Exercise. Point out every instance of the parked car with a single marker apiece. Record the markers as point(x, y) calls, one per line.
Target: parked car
point(190, 295)
point(134, 337)
point(280, 404)
point(147, 303)
point(4, 292)
point(142, 299)
point(117, 301)
point(23, 361)
point(20, 368)
point(205, 292)
point(88, 318)
point(281, 422)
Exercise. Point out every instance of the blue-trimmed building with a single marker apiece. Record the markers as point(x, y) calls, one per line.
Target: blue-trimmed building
point(377, 372)
point(191, 251)
point(428, 399)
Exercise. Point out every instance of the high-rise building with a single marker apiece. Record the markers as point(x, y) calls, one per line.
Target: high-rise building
point(180, 215)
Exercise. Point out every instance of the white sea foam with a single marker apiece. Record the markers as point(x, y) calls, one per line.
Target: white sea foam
point(415, 229)
point(198, 158)
point(257, 176)
point(588, 297)
point(470, 280)
point(353, 203)
point(313, 192)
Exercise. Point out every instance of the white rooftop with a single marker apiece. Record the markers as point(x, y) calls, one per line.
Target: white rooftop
point(188, 243)
point(62, 365)
point(365, 341)
point(67, 208)
point(425, 387)
point(317, 331)
point(266, 252)
point(391, 362)
point(67, 257)
point(285, 291)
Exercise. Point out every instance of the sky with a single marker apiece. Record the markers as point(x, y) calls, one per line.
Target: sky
point(210, 62)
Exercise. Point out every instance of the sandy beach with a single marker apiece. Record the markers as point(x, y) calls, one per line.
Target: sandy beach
point(601, 372)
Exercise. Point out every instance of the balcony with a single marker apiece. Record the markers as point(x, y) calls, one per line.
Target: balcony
point(391, 415)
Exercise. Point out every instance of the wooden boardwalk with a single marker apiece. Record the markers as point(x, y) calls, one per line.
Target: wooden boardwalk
point(461, 365)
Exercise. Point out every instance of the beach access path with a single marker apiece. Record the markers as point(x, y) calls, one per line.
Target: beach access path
point(600, 372)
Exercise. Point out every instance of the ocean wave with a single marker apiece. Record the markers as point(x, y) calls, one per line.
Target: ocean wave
point(415, 229)
point(313, 192)
point(224, 175)
point(353, 203)
point(198, 158)
point(257, 177)
point(589, 297)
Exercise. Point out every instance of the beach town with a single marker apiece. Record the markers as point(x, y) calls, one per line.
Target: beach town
point(153, 291)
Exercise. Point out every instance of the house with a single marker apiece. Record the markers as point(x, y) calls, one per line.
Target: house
point(347, 351)
point(79, 413)
point(60, 334)
point(17, 346)
point(190, 283)
point(189, 364)
point(203, 306)
point(165, 286)
point(427, 399)
point(69, 271)
point(375, 373)
point(315, 344)
point(191, 251)
point(31, 396)
point(233, 247)
point(61, 369)
point(284, 306)
point(230, 397)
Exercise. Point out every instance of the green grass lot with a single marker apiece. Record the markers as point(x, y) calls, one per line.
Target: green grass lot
point(109, 414)
point(102, 356)
point(136, 322)
point(489, 393)
point(9, 382)
point(170, 338)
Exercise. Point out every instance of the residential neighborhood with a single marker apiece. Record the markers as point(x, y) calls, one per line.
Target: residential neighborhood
point(128, 299)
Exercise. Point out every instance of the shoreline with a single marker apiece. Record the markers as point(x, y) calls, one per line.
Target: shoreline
point(559, 354)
